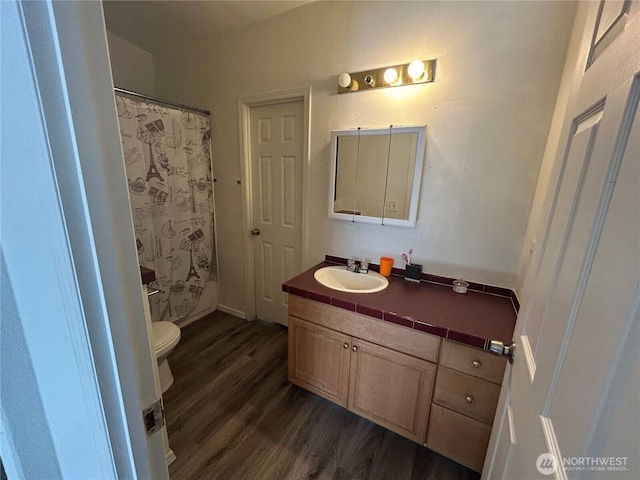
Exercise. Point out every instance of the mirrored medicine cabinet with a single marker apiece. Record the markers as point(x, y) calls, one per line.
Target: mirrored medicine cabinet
point(376, 174)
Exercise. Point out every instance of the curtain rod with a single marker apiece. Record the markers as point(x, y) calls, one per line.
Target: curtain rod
point(166, 102)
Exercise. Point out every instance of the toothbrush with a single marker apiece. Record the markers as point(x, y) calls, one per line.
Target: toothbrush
point(407, 258)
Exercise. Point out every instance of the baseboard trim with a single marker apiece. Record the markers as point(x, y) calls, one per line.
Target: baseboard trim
point(232, 311)
point(183, 322)
point(170, 457)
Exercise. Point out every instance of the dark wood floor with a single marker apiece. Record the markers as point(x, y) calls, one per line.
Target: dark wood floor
point(232, 415)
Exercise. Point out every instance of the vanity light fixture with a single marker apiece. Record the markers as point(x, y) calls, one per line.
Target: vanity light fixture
point(346, 82)
point(418, 71)
point(390, 75)
point(370, 80)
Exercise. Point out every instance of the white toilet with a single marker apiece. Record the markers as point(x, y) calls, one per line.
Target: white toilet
point(166, 336)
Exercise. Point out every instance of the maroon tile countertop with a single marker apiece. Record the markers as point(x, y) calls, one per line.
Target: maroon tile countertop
point(474, 318)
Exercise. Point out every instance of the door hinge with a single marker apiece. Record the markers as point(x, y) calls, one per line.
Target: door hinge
point(153, 417)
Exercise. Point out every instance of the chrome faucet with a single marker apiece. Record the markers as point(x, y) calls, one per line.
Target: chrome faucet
point(357, 267)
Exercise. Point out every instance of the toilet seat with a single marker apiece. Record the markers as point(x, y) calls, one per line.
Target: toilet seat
point(165, 337)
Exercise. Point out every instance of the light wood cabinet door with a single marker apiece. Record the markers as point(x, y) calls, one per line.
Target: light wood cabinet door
point(319, 360)
point(391, 389)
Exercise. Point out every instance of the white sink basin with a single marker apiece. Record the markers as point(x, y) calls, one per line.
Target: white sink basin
point(337, 277)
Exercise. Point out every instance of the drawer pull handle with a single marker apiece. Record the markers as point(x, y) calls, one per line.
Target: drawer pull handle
point(476, 363)
point(346, 345)
point(469, 399)
point(354, 348)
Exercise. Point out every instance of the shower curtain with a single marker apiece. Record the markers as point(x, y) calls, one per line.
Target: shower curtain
point(167, 154)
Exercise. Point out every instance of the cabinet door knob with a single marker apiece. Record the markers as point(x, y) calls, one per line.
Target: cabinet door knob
point(354, 348)
point(469, 399)
point(346, 345)
point(476, 363)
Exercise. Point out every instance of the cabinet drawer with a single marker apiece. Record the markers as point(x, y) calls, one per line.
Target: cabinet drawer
point(412, 342)
point(468, 395)
point(458, 437)
point(473, 361)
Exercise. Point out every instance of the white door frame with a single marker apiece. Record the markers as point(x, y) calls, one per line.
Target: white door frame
point(106, 335)
point(244, 117)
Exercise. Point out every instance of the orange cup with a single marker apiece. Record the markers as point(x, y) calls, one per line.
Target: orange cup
point(385, 266)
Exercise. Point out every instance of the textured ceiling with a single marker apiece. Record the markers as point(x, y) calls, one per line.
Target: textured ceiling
point(157, 25)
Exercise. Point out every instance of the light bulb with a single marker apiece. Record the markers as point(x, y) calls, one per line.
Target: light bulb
point(344, 80)
point(390, 75)
point(416, 69)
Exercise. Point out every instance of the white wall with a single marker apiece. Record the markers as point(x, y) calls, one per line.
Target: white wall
point(131, 66)
point(572, 71)
point(488, 115)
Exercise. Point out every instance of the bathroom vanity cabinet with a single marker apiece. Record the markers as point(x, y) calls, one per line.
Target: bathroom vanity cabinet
point(438, 393)
point(424, 386)
point(338, 355)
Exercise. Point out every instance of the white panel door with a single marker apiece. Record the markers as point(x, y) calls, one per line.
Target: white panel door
point(571, 405)
point(276, 178)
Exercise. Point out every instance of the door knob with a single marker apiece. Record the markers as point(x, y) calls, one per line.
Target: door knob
point(255, 231)
point(502, 350)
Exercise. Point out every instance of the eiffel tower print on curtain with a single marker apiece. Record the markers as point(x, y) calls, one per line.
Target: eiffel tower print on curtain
point(167, 155)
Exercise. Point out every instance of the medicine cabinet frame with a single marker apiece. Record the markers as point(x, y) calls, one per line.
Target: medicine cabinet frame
point(412, 197)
